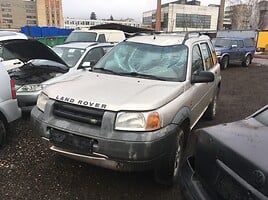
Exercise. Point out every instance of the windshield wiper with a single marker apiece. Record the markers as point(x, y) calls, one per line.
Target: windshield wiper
point(135, 74)
point(106, 70)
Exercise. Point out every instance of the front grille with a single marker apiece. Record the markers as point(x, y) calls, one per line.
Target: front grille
point(77, 113)
point(74, 143)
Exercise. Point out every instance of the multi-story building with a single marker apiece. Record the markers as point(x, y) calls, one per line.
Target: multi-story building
point(73, 23)
point(184, 16)
point(49, 13)
point(17, 13)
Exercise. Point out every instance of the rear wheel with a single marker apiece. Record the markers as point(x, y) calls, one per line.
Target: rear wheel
point(224, 62)
point(168, 171)
point(2, 132)
point(247, 61)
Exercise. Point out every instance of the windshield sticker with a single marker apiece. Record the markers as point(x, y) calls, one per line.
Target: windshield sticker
point(81, 102)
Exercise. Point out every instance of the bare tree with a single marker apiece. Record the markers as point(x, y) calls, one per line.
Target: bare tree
point(246, 14)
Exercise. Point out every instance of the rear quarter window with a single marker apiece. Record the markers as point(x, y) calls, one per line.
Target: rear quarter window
point(249, 42)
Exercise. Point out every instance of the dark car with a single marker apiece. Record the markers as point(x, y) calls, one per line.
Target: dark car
point(230, 161)
point(234, 50)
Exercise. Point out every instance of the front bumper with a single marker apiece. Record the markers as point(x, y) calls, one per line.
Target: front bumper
point(193, 189)
point(27, 100)
point(117, 150)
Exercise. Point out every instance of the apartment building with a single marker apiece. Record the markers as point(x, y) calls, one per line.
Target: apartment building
point(17, 13)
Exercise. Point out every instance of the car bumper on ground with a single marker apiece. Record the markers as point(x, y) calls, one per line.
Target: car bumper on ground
point(133, 153)
point(193, 189)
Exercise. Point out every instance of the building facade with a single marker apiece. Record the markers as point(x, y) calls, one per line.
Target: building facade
point(49, 13)
point(73, 23)
point(17, 13)
point(183, 16)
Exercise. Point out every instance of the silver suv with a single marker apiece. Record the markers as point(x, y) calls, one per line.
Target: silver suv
point(135, 108)
point(9, 110)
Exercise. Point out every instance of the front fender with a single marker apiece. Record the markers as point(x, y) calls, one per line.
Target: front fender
point(183, 114)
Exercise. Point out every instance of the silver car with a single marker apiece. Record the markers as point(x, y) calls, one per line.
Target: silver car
point(135, 108)
point(42, 63)
point(9, 110)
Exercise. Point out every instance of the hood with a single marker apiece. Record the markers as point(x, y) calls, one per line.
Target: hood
point(242, 146)
point(114, 93)
point(26, 50)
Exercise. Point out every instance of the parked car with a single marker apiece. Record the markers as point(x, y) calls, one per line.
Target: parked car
point(135, 108)
point(234, 50)
point(8, 59)
point(98, 35)
point(9, 110)
point(40, 63)
point(230, 161)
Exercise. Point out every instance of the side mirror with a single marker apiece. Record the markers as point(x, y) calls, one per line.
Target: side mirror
point(1, 59)
point(203, 77)
point(86, 64)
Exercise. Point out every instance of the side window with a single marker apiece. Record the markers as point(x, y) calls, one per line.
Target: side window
point(240, 44)
point(101, 38)
point(207, 55)
point(6, 54)
point(94, 55)
point(234, 42)
point(197, 61)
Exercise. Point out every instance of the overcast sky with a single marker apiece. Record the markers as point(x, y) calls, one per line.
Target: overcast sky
point(119, 9)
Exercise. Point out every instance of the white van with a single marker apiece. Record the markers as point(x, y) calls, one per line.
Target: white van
point(97, 35)
point(9, 110)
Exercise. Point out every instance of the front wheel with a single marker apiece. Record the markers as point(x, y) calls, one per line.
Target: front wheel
point(247, 61)
point(2, 132)
point(168, 171)
point(224, 62)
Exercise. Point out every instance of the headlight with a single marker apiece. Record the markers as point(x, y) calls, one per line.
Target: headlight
point(142, 121)
point(218, 53)
point(30, 88)
point(42, 101)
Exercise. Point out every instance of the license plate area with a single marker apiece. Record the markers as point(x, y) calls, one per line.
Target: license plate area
point(75, 143)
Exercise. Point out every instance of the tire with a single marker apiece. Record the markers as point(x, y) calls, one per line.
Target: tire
point(167, 174)
point(210, 113)
point(247, 61)
point(224, 62)
point(2, 132)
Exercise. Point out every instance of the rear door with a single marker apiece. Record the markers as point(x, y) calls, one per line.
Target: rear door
point(241, 50)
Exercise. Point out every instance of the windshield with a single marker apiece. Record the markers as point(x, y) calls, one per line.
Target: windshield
point(69, 55)
point(81, 37)
point(263, 117)
point(218, 42)
point(132, 59)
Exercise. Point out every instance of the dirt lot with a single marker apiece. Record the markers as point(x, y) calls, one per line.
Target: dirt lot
point(28, 170)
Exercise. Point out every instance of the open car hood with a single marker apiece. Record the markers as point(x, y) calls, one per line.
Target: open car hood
point(26, 50)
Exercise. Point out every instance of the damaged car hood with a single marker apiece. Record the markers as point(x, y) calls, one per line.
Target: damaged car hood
point(26, 50)
point(109, 92)
point(40, 62)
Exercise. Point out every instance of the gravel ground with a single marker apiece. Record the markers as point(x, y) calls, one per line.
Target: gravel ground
point(28, 170)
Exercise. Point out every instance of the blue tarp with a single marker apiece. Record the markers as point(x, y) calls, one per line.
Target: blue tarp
point(37, 31)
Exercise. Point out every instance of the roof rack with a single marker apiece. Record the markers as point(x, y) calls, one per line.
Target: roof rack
point(186, 34)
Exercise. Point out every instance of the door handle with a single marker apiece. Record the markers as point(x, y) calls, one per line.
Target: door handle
point(17, 63)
